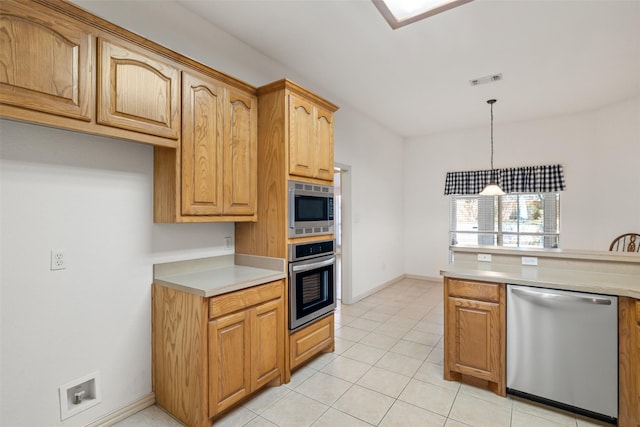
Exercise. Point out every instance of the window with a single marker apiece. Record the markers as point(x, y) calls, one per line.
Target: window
point(530, 220)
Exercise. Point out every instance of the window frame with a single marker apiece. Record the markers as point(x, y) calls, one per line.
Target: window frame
point(550, 235)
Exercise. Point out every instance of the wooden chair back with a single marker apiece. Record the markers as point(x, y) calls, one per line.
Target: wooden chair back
point(629, 242)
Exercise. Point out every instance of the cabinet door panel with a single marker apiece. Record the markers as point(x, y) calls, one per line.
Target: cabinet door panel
point(629, 362)
point(45, 61)
point(302, 137)
point(229, 360)
point(240, 154)
point(474, 333)
point(202, 146)
point(310, 340)
point(266, 343)
point(324, 146)
point(137, 92)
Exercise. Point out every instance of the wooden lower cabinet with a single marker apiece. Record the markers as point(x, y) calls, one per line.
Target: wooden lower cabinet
point(211, 353)
point(230, 360)
point(474, 332)
point(311, 340)
point(629, 362)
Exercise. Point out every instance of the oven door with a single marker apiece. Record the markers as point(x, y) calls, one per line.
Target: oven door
point(312, 289)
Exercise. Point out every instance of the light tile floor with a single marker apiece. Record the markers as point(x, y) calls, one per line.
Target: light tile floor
point(386, 371)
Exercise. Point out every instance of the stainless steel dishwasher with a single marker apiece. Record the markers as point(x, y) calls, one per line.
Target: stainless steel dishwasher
point(562, 349)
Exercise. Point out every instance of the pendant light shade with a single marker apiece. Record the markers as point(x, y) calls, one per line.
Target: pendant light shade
point(492, 189)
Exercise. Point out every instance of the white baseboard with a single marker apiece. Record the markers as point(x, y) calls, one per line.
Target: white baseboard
point(377, 288)
point(431, 279)
point(119, 415)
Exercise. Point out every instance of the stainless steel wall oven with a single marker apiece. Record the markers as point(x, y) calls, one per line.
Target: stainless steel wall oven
point(312, 285)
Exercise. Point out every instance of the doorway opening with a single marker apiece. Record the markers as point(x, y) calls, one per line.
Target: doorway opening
point(342, 213)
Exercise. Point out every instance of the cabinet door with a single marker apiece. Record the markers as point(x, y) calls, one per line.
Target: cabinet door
point(267, 343)
point(229, 360)
point(302, 137)
point(136, 91)
point(45, 61)
point(475, 339)
point(629, 362)
point(240, 154)
point(324, 145)
point(202, 145)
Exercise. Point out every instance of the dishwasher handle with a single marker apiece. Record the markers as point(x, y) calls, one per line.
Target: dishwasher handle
point(563, 297)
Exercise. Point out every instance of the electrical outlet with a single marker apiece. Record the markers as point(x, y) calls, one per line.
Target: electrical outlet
point(57, 260)
point(227, 242)
point(529, 260)
point(484, 257)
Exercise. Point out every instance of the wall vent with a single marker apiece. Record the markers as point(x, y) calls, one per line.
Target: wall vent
point(486, 79)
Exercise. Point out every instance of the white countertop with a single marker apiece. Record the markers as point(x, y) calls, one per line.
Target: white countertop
point(208, 277)
point(575, 280)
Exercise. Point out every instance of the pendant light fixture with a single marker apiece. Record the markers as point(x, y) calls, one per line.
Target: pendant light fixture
point(492, 189)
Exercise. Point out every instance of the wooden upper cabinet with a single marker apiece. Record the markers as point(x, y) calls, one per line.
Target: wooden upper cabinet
point(137, 91)
point(240, 153)
point(219, 149)
point(310, 140)
point(202, 145)
point(45, 61)
point(302, 137)
point(324, 145)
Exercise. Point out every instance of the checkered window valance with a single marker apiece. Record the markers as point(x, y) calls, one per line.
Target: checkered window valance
point(527, 179)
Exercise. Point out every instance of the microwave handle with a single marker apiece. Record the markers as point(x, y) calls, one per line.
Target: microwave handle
point(292, 213)
point(315, 265)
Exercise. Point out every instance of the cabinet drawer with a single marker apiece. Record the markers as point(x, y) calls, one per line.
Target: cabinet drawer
point(638, 311)
point(234, 301)
point(484, 291)
point(307, 342)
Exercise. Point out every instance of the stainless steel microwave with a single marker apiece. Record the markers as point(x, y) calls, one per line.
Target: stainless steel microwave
point(310, 209)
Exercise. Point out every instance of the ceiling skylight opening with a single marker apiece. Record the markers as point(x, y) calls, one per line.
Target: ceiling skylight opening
point(399, 13)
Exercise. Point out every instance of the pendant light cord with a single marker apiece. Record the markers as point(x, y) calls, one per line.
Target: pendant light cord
point(491, 102)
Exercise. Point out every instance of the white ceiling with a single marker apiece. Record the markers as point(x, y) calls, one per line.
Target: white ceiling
point(556, 56)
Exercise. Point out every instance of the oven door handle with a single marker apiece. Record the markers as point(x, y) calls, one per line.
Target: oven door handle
point(313, 266)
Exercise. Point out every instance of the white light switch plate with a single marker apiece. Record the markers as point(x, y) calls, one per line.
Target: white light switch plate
point(529, 260)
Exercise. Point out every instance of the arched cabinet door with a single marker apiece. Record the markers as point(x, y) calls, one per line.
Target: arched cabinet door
point(45, 61)
point(202, 145)
point(324, 145)
point(302, 137)
point(137, 91)
point(240, 153)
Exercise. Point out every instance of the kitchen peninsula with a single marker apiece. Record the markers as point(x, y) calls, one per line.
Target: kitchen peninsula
point(476, 316)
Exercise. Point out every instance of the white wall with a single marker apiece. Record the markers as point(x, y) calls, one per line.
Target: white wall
point(92, 197)
point(600, 150)
point(375, 157)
